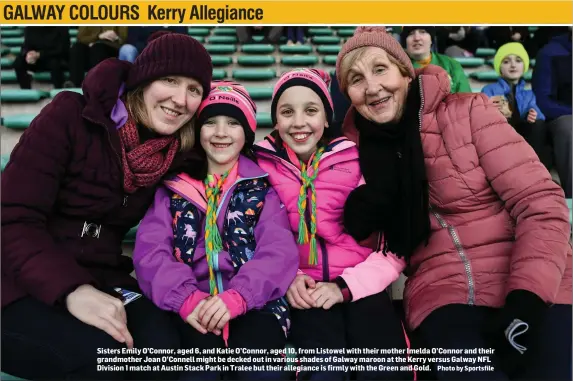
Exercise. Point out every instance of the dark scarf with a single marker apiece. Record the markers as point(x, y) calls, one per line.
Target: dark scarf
point(395, 199)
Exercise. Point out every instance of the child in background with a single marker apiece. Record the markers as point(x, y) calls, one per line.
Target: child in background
point(295, 34)
point(339, 296)
point(216, 245)
point(520, 108)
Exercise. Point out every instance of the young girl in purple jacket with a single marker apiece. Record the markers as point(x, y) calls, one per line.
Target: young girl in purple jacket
point(216, 245)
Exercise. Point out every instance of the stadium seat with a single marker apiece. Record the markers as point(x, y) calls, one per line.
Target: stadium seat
point(260, 93)
point(258, 48)
point(320, 32)
point(256, 60)
point(476, 89)
point(130, 236)
point(73, 32)
point(15, 50)
point(264, 119)
point(22, 95)
point(7, 377)
point(12, 33)
point(222, 39)
point(12, 41)
point(219, 74)
point(299, 60)
point(328, 49)
point(225, 31)
point(221, 48)
point(485, 52)
point(295, 49)
point(329, 60)
point(254, 74)
point(201, 39)
point(491, 75)
point(55, 92)
point(570, 205)
point(194, 31)
point(221, 60)
point(470, 61)
point(6, 62)
point(326, 40)
point(348, 32)
point(4, 51)
point(260, 38)
point(18, 122)
point(4, 160)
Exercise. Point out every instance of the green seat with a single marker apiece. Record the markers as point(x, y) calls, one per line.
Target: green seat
point(222, 39)
point(348, 32)
point(221, 48)
point(470, 61)
point(329, 60)
point(254, 74)
point(533, 28)
point(328, 49)
point(225, 31)
point(73, 32)
point(326, 40)
point(299, 60)
point(221, 60)
point(570, 206)
point(219, 74)
point(476, 90)
point(485, 52)
point(264, 119)
point(491, 75)
point(532, 62)
point(256, 60)
point(55, 92)
point(11, 33)
point(4, 160)
point(332, 72)
point(12, 41)
point(22, 95)
point(6, 62)
point(73, 40)
point(258, 48)
point(15, 50)
point(201, 39)
point(320, 32)
point(4, 51)
point(260, 38)
point(7, 377)
point(260, 93)
point(195, 31)
point(295, 49)
point(130, 236)
point(18, 122)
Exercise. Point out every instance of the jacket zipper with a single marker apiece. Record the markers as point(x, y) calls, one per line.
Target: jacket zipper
point(460, 249)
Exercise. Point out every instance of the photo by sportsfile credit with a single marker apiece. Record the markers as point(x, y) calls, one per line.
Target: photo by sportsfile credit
point(124, 12)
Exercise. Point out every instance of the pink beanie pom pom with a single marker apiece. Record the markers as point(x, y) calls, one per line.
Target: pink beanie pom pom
point(370, 29)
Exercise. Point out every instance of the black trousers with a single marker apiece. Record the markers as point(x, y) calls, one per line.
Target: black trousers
point(84, 57)
point(467, 327)
point(537, 135)
point(45, 342)
point(369, 323)
point(52, 64)
point(254, 330)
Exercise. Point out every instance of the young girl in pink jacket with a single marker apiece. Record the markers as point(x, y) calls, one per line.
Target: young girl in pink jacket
point(339, 296)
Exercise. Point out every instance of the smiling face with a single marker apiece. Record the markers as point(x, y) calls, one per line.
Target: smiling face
point(511, 68)
point(418, 44)
point(301, 120)
point(222, 138)
point(377, 87)
point(171, 102)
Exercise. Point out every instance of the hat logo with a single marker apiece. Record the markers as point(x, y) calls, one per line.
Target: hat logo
point(224, 88)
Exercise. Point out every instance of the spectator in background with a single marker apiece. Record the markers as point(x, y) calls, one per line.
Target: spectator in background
point(137, 39)
point(295, 34)
point(94, 45)
point(418, 42)
point(543, 35)
point(501, 35)
point(516, 103)
point(552, 88)
point(272, 34)
point(44, 48)
point(457, 41)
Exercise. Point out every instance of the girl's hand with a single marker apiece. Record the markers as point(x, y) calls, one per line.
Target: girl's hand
point(193, 318)
point(326, 295)
point(298, 295)
point(531, 116)
point(214, 314)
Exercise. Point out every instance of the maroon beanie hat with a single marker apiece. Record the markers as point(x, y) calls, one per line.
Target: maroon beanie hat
point(374, 36)
point(172, 54)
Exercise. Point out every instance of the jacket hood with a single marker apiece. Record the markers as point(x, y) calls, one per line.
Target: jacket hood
point(564, 40)
point(434, 85)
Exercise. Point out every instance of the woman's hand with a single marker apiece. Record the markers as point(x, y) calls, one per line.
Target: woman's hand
point(100, 310)
point(298, 295)
point(193, 318)
point(531, 116)
point(213, 315)
point(326, 295)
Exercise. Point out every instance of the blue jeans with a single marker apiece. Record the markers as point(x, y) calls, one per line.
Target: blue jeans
point(128, 52)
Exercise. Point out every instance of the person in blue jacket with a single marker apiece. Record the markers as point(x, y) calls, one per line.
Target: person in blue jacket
point(552, 87)
point(137, 39)
point(516, 102)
